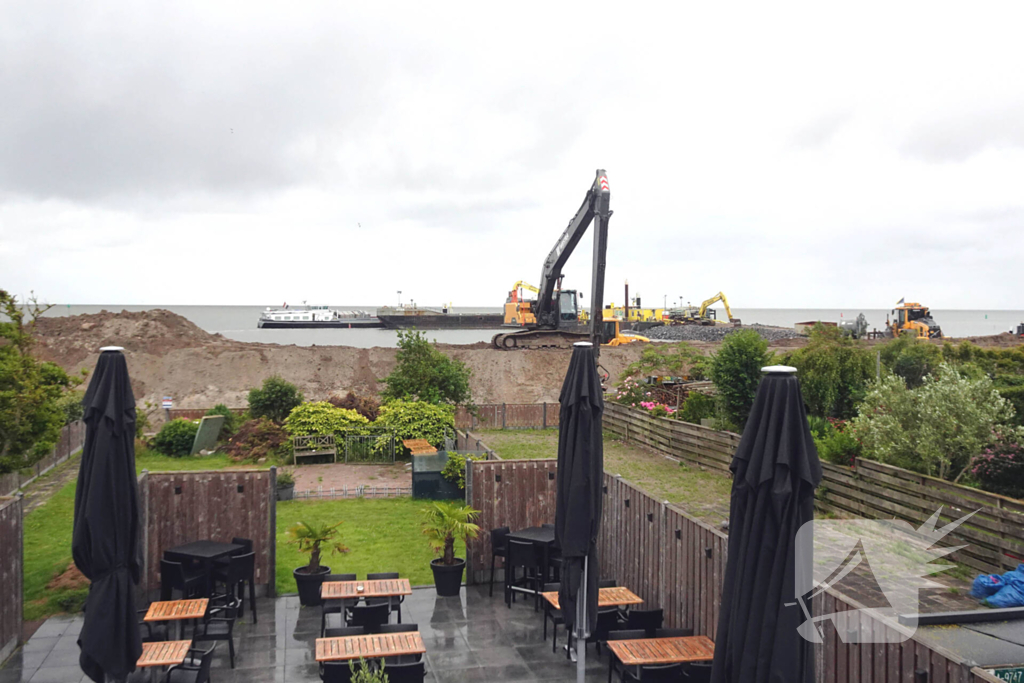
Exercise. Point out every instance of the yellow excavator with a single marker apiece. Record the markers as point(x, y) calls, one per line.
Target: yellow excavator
point(705, 315)
point(912, 320)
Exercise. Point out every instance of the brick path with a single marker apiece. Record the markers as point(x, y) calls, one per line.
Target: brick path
point(337, 475)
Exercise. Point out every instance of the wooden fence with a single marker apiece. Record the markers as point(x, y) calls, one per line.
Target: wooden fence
point(10, 575)
point(994, 535)
point(72, 438)
point(508, 416)
point(196, 413)
point(676, 562)
point(181, 507)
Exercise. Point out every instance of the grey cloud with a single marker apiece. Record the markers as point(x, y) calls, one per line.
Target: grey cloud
point(959, 138)
point(822, 129)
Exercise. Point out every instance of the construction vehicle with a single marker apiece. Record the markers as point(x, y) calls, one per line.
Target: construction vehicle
point(913, 320)
point(518, 309)
point(613, 335)
point(705, 315)
point(1020, 331)
point(858, 329)
point(556, 311)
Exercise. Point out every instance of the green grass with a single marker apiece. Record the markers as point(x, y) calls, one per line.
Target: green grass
point(703, 494)
point(383, 535)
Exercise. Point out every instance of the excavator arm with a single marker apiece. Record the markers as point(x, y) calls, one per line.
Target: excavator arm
point(716, 298)
point(526, 286)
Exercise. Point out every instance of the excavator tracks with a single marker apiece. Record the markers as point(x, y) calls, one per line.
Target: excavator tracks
point(537, 339)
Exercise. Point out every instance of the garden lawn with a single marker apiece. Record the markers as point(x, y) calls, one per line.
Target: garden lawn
point(48, 536)
point(702, 494)
point(382, 534)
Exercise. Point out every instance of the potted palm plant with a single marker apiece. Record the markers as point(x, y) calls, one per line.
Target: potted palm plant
point(285, 486)
point(445, 522)
point(309, 538)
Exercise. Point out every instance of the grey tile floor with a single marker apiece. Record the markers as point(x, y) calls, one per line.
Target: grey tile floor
point(469, 639)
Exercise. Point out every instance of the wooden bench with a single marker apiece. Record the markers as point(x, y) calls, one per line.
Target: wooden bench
point(308, 446)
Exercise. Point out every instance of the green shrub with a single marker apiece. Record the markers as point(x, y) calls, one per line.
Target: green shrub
point(662, 359)
point(258, 439)
point(1000, 468)
point(322, 418)
point(275, 399)
point(696, 407)
point(175, 438)
point(934, 429)
point(231, 421)
point(910, 359)
point(834, 372)
point(71, 404)
point(422, 373)
point(835, 442)
point(455, 469)
point(736, 372)
point(417, 420)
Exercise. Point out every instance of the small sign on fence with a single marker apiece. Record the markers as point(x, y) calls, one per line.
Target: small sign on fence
point(167, 403)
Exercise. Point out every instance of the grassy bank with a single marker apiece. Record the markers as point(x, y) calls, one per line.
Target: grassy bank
point(703, 494)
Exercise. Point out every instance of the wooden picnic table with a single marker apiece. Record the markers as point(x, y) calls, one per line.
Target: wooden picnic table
point(378, 588)
point(164, 653)
point(606, 597)
point(176, 610)
point(651, 651)
point(369, 647)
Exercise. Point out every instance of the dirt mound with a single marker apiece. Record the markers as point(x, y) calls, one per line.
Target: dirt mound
point(71, 578)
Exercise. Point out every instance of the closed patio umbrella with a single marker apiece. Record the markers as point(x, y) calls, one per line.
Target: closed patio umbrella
point(775, 471)
point(106, 530)
point(579, 493)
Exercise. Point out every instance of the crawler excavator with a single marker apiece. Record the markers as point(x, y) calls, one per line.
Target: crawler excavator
point(556, 311)
point(705, 315)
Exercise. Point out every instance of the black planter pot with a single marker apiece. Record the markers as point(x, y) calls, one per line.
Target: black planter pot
point(309, 585)
point(448, 578)
point(285, 492)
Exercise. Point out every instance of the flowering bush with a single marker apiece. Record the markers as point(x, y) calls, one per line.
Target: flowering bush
point(657, 409)
point(632, 393)
point(1000, 468)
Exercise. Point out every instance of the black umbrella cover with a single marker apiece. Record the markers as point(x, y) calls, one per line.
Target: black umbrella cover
point(105, 541)
point(775, 471)
point(580, 481)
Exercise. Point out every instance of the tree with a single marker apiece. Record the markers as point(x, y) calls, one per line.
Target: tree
point(275, 399)
point(911, 359)
point(934, 429)
point(834, 372)
point(31, 413)
point(736, 372)
point(423, 373)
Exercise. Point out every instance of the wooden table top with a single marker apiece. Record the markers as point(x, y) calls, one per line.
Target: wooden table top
point(173, 610)
point(369, 647)
point(606, 597)
point(663, 650)
point(380, 588)
point(164, 653)
point(419, 447)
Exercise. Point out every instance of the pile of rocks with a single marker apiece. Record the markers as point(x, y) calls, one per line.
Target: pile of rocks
point(715, 333)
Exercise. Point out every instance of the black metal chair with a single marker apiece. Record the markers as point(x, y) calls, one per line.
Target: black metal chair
point(648, 619)
point(607, 621)
point(370, 617)
point(499, 548)
point(239, 571)
point(697, 672)
point(413, 672)
point(219, 625)
point(344, 632)
point(151, 631)
point(395, 601)
point(335, 672)
point(400, 659)
point(553, 615)
point(613, 662)
point(667, 673)
point(196, 672)
point(220, 570)
point(607, 583)
point(335, 606)
point(523, 555)
point(174, 576)
point(673, 632)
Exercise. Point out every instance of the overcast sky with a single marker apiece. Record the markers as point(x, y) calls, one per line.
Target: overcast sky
point(789, 155)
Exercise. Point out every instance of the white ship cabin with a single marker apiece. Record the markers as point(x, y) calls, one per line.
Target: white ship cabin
point(310, 313)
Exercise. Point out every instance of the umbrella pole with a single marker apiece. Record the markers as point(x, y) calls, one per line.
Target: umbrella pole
point(581, 626)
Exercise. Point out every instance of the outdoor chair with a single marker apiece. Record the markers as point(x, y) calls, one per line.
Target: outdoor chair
point(195, 670)
point(221, 567)
point(673, 632)
point(607, 583)
point(370, 617)
point(498, 549)
point(344, 632)
point(554, 568)
point(607, 621)
point(697, 672)
point(613, 662)
point(400, 659)
point(552, 614)
point(648, 619)
point(174, 576)
point(666, 673)
point(335, 672)
point(521, 555)
point(241, 569)
point(151, 631)
point(219, 625)
point(395, 601)
point(335, 606)
point(413, 672)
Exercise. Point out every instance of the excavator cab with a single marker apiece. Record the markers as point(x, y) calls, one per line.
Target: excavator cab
point(568, 308)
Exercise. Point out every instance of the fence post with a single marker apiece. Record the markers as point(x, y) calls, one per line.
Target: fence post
point(545, 419)
point(502, 415)
point(272, 533)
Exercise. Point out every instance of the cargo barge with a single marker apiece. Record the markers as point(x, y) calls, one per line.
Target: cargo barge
point(316, 317)
point(394, 318)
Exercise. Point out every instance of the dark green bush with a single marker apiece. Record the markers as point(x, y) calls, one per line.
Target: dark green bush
point(423, 373)
point(1000, 468)
point(736, 372)
point(231, 420)
point(176, 437)
point(71, 404)
point(274, 400)
point(835, 442)
point(834, 372)
point(455, 469)
point(696, 407)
